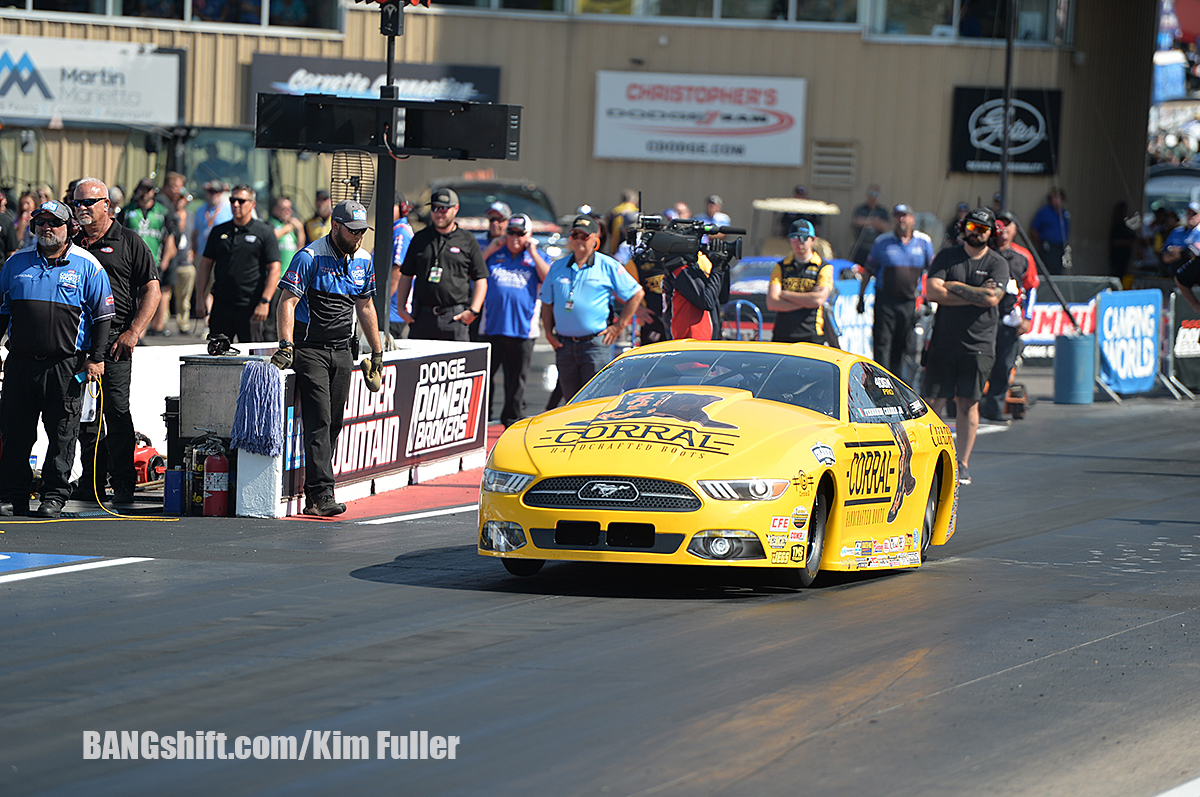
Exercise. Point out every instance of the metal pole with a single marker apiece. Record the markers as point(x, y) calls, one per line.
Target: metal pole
point(391, 24)
point(1010, 32)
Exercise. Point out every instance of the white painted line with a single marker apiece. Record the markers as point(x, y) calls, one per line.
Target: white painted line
point(379, 521)
point(54, 571)
point(1189, 789)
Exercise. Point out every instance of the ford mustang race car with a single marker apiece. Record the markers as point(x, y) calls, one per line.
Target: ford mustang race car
point(794, 457)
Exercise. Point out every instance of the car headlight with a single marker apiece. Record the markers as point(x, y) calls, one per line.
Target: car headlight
point(499, 481)
point(501, 536)
point(744, 489)
point(726, 544)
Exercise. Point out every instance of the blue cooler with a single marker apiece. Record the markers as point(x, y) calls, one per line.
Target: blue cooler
point(1074, 369)
point(174, 492)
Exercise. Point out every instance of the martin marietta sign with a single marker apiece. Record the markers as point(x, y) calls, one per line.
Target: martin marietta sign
point(977, 134)
point(69, 80)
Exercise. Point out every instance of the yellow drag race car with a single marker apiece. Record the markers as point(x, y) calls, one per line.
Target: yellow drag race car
point(794, 457)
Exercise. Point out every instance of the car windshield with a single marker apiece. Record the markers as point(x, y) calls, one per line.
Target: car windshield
point(799, 381)
point(474, 201)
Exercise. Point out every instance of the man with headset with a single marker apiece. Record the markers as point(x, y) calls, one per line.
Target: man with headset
point(57, 306)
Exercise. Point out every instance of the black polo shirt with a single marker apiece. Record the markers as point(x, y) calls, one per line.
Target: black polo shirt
point(129, 265)
point(456, 254)
point(240, 258)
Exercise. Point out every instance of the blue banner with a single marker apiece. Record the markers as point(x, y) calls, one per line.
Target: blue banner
point(1128, 326)
point(855, 329)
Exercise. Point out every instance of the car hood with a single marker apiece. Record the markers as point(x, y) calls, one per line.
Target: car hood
point(674, 433)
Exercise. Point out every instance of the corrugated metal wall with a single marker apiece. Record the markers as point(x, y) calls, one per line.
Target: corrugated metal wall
point(892, 100)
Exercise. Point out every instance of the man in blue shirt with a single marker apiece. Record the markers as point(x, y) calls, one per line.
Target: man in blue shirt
point(576, 297)
point(327, 282)
point(1051, 231)
point(57, 306)
point(898, 260)
point(1176, 247)
point(515, 272)
point(402, 235)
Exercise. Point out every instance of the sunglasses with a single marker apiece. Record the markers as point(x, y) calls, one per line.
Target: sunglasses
point(233, 200)
point(514, 231)
point(87, 203)
point(492, 220)
point(47, 221)
point(974, 226)
point(578, 234)
point(441, 208)
point(801, 237)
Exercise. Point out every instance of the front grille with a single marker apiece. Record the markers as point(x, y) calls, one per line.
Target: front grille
point(652, 495)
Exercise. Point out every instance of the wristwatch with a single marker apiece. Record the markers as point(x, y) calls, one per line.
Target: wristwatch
point(263, 300)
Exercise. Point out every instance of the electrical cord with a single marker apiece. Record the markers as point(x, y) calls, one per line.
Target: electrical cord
point(99, 395)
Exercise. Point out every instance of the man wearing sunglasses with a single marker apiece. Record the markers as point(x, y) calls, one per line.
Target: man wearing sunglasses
point(515, 272)
point(57, 306)
point(799, 286)
point(133, 276)
point(242, 257)
point(967, 282)
point(326, 284)
point(444, 264)
point(576, 297)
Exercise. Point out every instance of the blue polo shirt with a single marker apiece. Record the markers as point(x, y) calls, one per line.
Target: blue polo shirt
point(1052, 227)
point(588, 290)
point(1183, 236)
point(52, 306)
point(511, 299)
point(402, 235)
point(328, 284)
point(898, 266)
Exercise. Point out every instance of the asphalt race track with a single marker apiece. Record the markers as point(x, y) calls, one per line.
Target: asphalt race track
point(1050, 649)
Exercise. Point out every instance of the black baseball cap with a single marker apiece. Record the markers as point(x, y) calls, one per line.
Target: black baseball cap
point(352, 214)
point(444, 196)
point(983, 216)
point(587, 224)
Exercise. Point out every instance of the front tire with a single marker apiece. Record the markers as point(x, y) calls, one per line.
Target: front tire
point(811, 568)
point(523, 567)
point(930, 517)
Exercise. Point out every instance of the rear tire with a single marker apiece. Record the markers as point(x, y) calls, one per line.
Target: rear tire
point(935, 492)
point(523, 567)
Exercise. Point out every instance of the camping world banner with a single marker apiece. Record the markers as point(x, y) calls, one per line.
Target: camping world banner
point(1128, 325)
point(700, 118)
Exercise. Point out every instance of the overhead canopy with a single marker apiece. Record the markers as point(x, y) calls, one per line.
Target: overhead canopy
point(811, 207)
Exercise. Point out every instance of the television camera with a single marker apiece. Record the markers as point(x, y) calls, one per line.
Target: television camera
point(656, 238)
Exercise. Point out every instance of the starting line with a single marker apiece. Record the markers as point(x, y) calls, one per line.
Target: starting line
point(54, 571)
point(454, 510)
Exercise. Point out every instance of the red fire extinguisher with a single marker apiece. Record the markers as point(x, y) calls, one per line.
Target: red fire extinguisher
point(216, 485)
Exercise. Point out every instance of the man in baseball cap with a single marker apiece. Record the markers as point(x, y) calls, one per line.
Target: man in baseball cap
point(498, 215)
point(898, 259)
point(318, 225)
point(967, 282)
point(799, 286)
point(575, 312)
point(327, 283)
point(444, 197)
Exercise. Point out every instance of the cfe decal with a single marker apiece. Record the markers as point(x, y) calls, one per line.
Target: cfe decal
point(446, 405)
point(879, 475)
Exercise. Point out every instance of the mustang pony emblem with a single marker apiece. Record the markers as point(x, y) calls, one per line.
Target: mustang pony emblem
point(608, 491)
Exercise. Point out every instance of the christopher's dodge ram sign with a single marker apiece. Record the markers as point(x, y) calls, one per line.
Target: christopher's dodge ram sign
point(429, 408)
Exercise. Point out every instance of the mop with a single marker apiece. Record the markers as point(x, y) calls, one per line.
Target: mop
point(258, 421)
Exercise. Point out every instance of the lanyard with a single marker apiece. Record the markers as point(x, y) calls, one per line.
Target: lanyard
point(575, 276)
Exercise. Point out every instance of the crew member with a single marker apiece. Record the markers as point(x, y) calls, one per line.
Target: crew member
point(800, 284)
point(318, 225)
point(649, 274)
point(56, 305)
point(967, 284)
point(450, 275)
point(1050, 231)
point(515, 272)
point(575, 306)
point(1020, 291)
point(242, 256)
point(898, 260)
point(326, 284)
point(402, 235)
point(133, 279)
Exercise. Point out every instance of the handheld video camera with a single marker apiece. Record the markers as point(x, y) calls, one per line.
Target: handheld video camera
point(661, 239)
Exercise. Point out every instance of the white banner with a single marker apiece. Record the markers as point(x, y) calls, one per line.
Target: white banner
point(70, 80)
point(700, 118)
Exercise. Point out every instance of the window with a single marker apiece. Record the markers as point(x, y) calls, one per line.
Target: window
point(1037, 20)
point(878, 397)
point(275, 13)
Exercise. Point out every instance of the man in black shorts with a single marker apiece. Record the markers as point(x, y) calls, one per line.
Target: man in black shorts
point(967, 282)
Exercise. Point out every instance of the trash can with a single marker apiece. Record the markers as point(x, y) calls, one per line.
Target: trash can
point(1074, 369)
